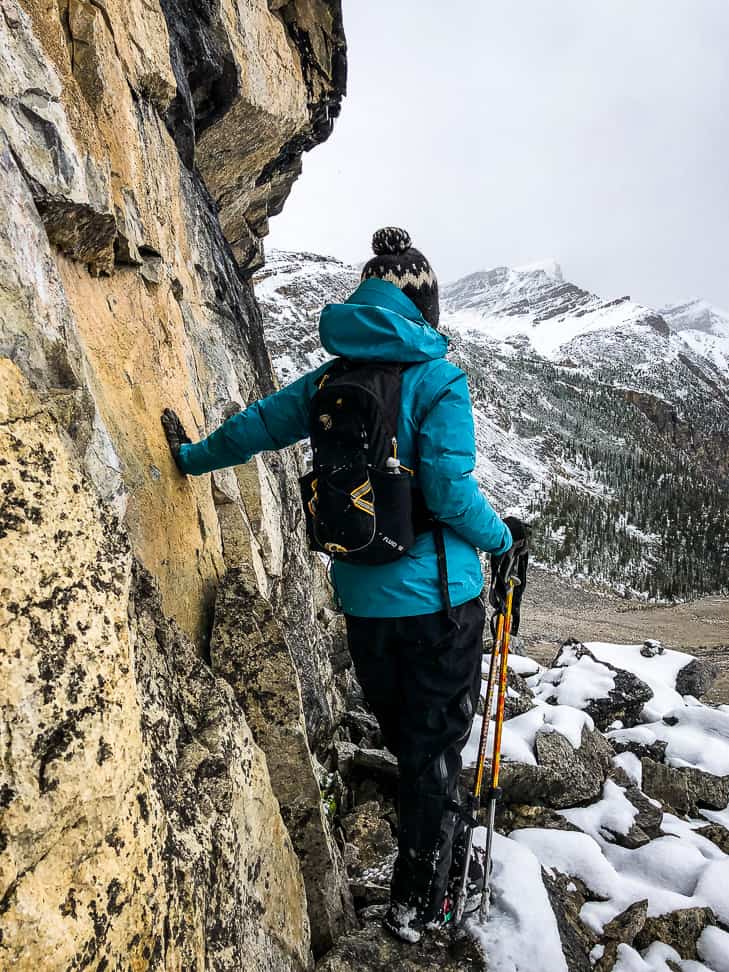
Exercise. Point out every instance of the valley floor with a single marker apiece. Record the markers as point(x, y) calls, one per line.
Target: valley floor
point(555, 609)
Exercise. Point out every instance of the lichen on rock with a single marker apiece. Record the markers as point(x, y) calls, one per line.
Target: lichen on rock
point(143, 146)
point(138, 819)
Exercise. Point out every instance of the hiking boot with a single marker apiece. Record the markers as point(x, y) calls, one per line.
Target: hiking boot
point(404, 923)
point(407, 925)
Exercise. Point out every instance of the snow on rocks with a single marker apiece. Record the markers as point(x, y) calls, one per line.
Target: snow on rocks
point(646, 885)
point(695, 736)
point(552, 755)
point(655, 959)
point(672, 875)
point(660, 672)
point(720, 817)
point(518, 743)
point(616, 855)
point(524, 666)
point(606, 692)
point(629, 683)
point(631, 765)
point(613, 814)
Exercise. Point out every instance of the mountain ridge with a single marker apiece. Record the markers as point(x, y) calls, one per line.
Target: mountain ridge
point(584, 408)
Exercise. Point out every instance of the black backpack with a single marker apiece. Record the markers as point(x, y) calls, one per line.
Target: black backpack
point(358, 499)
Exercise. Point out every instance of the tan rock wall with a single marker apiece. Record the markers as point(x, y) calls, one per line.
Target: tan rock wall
point(137, 814)
point(138, 820)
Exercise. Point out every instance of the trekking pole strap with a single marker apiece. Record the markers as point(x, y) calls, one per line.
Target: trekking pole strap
point(462, 812)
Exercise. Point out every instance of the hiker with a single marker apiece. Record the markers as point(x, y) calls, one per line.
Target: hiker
point(414, 622)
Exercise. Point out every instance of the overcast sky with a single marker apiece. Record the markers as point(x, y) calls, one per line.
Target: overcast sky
point(592, 131)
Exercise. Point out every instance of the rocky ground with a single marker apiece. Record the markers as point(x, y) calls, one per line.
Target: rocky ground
point(612, 850)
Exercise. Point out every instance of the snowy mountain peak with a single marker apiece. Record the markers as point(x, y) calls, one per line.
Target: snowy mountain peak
point(697, 315)
point(509, 289)
point(704, 328)
point(537, 305)
point(549, 267)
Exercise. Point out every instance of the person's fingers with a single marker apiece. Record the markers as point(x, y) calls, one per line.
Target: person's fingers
point(174, 429)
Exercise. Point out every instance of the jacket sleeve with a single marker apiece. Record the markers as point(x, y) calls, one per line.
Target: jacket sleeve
point(270, 423)
point(447, 456)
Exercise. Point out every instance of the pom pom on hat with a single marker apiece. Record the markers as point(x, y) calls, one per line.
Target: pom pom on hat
point(390, 239)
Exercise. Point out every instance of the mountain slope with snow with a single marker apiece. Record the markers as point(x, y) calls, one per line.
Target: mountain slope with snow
point(291, 290)
point(603, 421)
point(704, 328)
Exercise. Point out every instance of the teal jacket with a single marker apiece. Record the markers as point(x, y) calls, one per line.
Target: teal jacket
point(435, 438)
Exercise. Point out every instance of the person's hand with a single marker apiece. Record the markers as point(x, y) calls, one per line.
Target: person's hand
point(175, 433)
point(519, 531)
point(513, 562)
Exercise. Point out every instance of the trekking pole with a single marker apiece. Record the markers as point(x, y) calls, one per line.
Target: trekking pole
point(475, 797)
point(494, 791)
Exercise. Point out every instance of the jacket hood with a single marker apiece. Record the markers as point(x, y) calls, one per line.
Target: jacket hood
point(379, 323)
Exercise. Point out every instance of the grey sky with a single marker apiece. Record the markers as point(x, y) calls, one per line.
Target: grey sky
point(593, 131)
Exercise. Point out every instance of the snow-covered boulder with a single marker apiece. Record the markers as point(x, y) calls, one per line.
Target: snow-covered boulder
point(623, 815)
point(669, 674)
point(580, 772)
point(672, 874)
point(608, 694)
point(552, 756)
point(695, 736)
point(684, 757)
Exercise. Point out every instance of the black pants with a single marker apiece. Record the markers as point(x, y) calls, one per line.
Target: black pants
point(421, 676)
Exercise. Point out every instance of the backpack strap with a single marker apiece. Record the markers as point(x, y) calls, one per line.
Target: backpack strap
point(440, 551)
point(425, 522)
point(338, 367)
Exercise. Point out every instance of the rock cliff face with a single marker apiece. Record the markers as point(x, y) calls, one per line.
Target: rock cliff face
point(142, 147)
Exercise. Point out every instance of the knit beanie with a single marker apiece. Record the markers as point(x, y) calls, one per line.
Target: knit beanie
point(400, 263)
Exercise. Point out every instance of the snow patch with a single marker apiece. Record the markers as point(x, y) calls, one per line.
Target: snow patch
point(713, 947)
point(575, 680)
point(695, 735)
point(631, 766)
point(612, 814)
point(519, 733)
point(521, 932)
